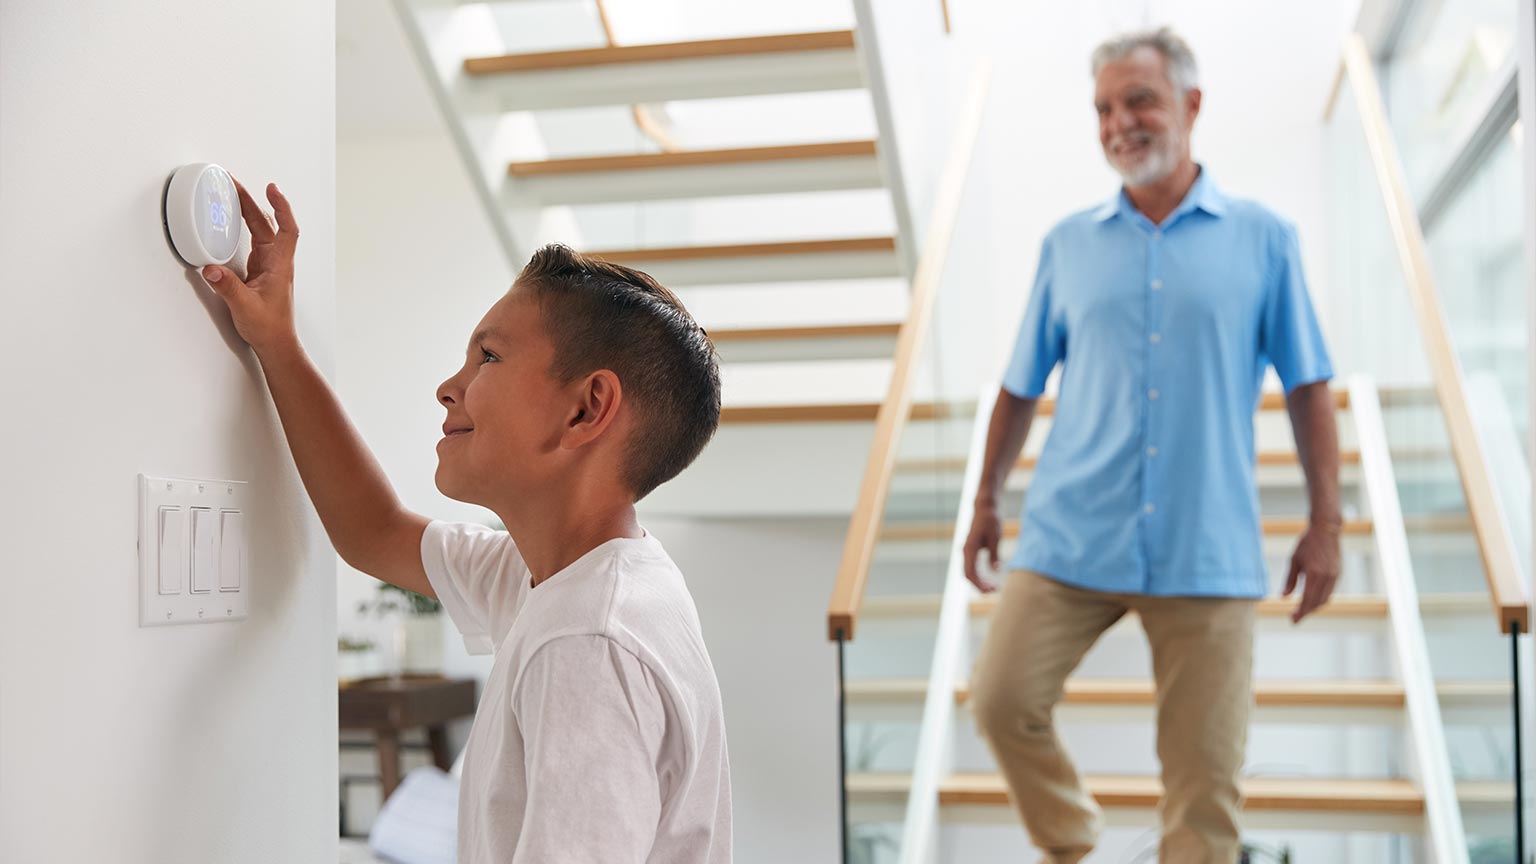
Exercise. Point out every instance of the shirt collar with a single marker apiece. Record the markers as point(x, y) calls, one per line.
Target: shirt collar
point(1204, 195)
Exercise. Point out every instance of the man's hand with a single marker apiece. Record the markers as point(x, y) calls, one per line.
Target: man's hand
point(1317, 556)
point(262, 305)
point(986, 533)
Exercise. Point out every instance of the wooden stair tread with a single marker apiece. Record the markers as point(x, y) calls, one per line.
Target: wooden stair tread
point(1345, 606)
point(692, 158)
point(834, 412)
point(746, 250)
point(1296, 794)
point(1263, 459)
point(1269, 694)
point(1259, 793)
point(788, 43)
point(1271, 526)
point(821, 331)
point(1270, 401)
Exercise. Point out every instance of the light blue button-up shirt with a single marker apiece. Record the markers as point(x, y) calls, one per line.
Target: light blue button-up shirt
point(1146, 483)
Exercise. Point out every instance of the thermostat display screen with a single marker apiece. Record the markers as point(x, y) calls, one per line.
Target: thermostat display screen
point(219, 228)
point(201, 211)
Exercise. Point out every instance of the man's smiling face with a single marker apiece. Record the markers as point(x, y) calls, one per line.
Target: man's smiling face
point(1144, 121)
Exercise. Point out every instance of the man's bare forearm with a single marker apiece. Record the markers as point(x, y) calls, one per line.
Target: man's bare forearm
point(364, 518)
point(1011, 419)
point(1315, 425)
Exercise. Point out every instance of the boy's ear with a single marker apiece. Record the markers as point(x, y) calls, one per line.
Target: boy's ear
point(597, 401)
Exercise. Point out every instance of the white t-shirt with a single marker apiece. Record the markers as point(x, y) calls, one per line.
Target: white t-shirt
point(599, 738)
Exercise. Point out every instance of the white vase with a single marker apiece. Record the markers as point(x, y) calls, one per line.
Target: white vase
point(399, 639)
point(423, 643)
point(351, 665)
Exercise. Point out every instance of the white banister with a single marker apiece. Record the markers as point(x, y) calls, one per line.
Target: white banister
point(935, 743)
point(1446, 838)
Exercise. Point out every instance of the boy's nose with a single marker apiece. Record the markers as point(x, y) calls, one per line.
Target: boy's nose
point(446, 393)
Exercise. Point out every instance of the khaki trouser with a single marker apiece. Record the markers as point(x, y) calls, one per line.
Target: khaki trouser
point(1202, 661)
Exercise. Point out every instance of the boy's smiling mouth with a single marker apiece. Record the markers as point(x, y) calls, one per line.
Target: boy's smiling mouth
point(450, 431)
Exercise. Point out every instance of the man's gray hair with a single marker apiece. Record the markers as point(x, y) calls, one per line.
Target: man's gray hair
point(1180, 61)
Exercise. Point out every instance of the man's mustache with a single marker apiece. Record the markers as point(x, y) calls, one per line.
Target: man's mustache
point(1130, 139)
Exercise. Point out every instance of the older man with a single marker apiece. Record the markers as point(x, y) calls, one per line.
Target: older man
point(1164, 306)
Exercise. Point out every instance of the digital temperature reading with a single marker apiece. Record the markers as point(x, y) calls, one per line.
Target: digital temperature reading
point(201, 214)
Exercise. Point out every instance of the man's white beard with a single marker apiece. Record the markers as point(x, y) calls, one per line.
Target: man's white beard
point(1162, 157)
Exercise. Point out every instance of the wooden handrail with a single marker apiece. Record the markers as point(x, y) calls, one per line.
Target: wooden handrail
point(846, 246)
point(1497, 547)
point(705, 49)
point(833, 412)
point(646, 123)
point(869, 511)
point(694, 158)
point(1264, 459)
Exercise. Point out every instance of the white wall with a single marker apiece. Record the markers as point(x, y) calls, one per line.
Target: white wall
point(415, 271)
point(172, 744)
point(761, 587)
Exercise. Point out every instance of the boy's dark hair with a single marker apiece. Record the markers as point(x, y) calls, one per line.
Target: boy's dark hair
point(606, 316)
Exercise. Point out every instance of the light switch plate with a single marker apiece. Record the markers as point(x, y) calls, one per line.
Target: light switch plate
point(185, 606)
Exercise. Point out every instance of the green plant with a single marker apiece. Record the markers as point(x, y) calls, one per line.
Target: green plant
point(348, 645)
point(391, 599)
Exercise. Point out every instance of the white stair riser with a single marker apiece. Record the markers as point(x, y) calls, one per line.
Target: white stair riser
point(800, 304)
point(1000, 840)
point(1463, 646)
point(752, 178)
point(775, 469)
point(667, 80)
point(771, 268)
point(783, 350)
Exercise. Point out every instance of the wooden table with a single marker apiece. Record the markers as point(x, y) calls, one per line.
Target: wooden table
point(386, 706)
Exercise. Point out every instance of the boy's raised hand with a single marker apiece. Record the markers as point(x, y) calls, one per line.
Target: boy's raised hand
point(262, 304)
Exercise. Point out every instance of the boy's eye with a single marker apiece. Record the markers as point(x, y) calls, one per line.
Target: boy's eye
point(487, 357)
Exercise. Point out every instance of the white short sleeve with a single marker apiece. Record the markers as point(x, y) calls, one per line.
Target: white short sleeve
point(593, 721)
point(478, 575)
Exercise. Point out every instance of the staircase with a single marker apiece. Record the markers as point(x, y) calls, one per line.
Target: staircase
point(804, 311)
point(1386, 728)
point(1337, 691)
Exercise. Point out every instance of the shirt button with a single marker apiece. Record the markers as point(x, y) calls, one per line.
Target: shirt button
point(1152, 394)
point(1157, 235)
point(1156, 338)
point(1149, 508)
point(1151, 451)
point(1157, 284)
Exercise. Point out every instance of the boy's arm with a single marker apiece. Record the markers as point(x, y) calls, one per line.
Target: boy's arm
point(366, 522)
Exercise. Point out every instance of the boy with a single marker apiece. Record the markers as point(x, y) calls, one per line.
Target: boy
point(600, 736)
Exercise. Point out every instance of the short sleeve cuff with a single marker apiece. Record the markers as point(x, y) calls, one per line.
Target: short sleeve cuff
point(1317, 375)
point(434, 561)
point(1024, 389)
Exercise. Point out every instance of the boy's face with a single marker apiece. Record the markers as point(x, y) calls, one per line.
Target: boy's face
point(505, 412)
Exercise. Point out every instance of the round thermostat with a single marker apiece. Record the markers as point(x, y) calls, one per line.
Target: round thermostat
point(202, 214)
